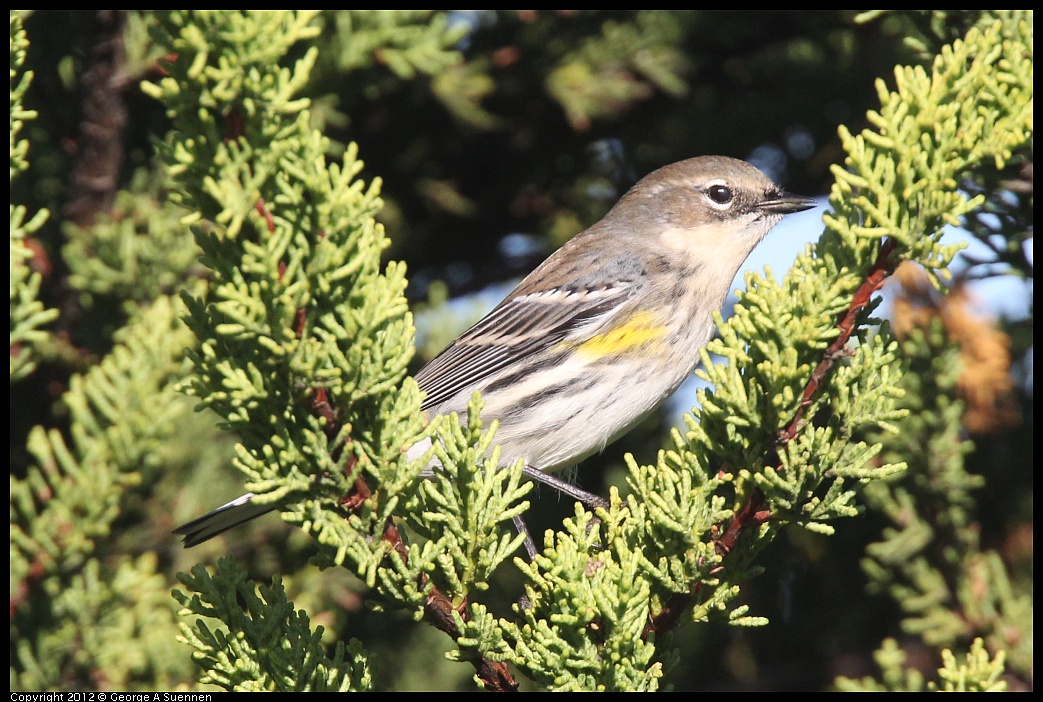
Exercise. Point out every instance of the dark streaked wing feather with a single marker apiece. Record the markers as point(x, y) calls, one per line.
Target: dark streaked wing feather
point(518, 327)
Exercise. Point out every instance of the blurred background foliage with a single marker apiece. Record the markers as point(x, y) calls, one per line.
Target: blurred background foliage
point(498, 135)
point(489, 123)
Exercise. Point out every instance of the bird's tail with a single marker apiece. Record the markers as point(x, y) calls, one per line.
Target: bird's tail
point(238, 511)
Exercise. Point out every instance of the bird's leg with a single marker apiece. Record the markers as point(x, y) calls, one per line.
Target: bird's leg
point(530, 545)
point(587, 498)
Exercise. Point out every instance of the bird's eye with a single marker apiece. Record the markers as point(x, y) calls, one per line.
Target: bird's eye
point(720, 194)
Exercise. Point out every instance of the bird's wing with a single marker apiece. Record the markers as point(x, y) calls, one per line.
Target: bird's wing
point(521, 326)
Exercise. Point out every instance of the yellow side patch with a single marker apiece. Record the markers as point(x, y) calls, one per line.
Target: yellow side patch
point(640, 333)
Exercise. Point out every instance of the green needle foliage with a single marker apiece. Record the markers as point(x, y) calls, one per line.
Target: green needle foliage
point(273, 648)
point(622, 65)
point(977, 673)
point(298, 307)
point(597, 594)
point(304, 342)
point(767, 447)
point(28, 314)
point(930, 558)
point(122, 412)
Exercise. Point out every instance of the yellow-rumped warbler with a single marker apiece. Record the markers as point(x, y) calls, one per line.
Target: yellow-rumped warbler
point(603, 331)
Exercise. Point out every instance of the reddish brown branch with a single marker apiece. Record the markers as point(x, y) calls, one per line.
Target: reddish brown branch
point(847, 324)
point(439, 611)
point(262, 209)
point(99, 145)
point(235, 124)
point(751, 514)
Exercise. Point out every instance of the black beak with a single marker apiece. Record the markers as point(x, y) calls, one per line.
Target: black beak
point(785, 203)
